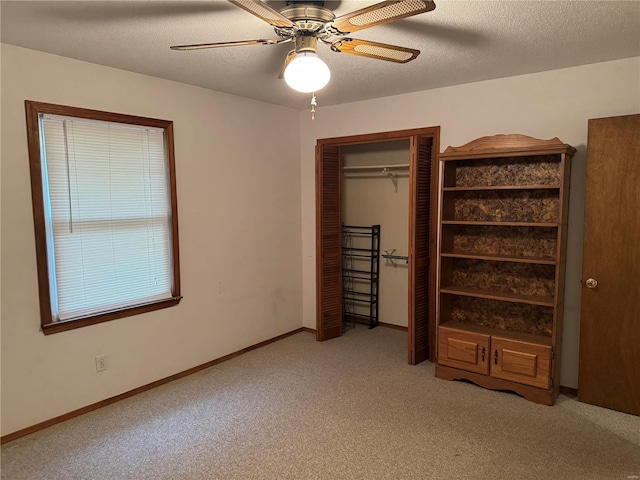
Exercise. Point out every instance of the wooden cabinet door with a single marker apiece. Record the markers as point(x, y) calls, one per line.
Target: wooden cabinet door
point(465, 350)
point(521, 362)
point(609, 371)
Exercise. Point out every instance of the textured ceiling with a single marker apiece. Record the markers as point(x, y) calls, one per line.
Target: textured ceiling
point(460, 41)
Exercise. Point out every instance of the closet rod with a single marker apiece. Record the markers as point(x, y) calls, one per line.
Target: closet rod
point(374, 174)
point(396, 257)
point(374, 167)
point(392, 257)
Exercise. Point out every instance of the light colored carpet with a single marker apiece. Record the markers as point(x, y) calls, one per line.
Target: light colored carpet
point(350, 408)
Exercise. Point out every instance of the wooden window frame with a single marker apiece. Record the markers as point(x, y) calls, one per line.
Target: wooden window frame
point(33, 110)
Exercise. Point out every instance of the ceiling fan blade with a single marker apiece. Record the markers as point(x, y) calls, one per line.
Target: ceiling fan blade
point(263, 11)
point(380, 13)
point(226, 44)
point(380, 51)
point(287, 60)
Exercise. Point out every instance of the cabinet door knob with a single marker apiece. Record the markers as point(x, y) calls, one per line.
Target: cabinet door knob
point(484, 350)
point(495, 357)
point(591, 283)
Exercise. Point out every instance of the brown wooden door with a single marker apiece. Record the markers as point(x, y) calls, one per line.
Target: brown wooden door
point(328, 242)
point(421, 239)
point(609, 372)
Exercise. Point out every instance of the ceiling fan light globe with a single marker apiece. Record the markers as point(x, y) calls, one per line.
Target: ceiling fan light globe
point(307, 73)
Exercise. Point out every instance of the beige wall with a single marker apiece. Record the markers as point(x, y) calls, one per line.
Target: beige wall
point(246, 212)
point(550, 104)
point(238, 188)
point(371, 199)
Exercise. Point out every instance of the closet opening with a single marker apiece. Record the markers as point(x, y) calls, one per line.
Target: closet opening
point(375, 234)
point(376, 204)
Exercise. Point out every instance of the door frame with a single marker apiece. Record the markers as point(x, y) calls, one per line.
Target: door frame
point(381, 137)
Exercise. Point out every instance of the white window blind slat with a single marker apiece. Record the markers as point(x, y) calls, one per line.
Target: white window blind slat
point(109, 233)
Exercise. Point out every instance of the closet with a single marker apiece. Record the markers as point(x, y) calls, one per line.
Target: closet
point(375, 240)
point(417, 175)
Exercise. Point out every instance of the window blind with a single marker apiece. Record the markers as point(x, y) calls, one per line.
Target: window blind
point(107, 209)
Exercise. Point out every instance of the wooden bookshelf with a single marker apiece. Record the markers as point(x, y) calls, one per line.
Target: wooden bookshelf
point(504, 207)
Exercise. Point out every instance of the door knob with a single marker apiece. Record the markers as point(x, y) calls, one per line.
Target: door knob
point(591, 283)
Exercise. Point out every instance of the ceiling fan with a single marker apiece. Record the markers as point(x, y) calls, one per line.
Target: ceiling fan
point(304, 22)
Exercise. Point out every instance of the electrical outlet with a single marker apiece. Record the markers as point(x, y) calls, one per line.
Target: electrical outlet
point(101, 363)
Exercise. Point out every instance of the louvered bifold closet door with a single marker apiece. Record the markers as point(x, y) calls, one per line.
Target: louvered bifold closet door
point(328, 242)
point(420, 239)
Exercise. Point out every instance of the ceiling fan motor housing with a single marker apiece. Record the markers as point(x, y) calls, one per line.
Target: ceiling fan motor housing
point(316, 3)
point(308, 17)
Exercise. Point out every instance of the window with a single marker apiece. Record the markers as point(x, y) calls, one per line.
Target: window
point(105, 215)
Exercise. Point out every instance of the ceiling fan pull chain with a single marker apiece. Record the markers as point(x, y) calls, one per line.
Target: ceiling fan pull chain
point(314, 104)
